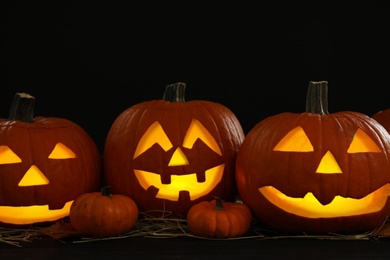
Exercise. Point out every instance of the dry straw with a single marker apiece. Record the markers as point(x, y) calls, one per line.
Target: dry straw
point(163, 227)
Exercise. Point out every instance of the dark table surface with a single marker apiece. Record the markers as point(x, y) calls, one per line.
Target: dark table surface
point(195, 248)
point(166, 238)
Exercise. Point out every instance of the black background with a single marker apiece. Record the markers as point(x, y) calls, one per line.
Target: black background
point(89, 61)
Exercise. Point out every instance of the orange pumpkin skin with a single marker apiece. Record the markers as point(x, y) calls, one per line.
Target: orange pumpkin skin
point(219, 219)
point(383, 117)
point(295, 173)
point(174, 117)
point(32, 140)
point(101, 214)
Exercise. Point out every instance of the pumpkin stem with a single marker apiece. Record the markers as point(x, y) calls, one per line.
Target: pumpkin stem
point(175, 92)
point(106, 191)
point(218, 203)
point(317, 98)
point(22, 108)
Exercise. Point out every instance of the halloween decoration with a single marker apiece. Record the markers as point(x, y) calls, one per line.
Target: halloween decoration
point(102, 214)
point(219, 219)
point(170, 154)
point(45, 163)
point(383, 117)
point(316, 172)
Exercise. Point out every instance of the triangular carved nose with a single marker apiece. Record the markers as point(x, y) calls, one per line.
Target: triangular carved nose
point(178, 158)
point(33, 177)
point(328, 164)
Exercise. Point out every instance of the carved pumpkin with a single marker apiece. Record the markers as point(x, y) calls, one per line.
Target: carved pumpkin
point(170, 154)
point(316, 172)
point(45, 163)
point(102, 214)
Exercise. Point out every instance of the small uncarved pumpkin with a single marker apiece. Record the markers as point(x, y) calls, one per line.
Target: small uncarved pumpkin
point(101, 214)
point(219, 219)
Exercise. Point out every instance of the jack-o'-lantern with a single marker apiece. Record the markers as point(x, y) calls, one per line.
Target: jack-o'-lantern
point(45, 163)
point(170, 154)
point(316, 172)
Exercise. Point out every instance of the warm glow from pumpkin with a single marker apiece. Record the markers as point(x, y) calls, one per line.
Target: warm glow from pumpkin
point(60, 151)
point(310, 207)
point(297, 141)
point(7, 156)
point(179, 183)
point(32, 214)
point(156, 134)
point(328, 164)
point(197, 130)
point(33, 177)
point(188, 182)
point(178, 158)
point(362, 143)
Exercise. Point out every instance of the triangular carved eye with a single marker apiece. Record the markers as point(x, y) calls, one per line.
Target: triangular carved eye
point(362, 143)
point(295, 141)
point(198, 131)
point(154, 134)
point(61, 151)
point(7, 156)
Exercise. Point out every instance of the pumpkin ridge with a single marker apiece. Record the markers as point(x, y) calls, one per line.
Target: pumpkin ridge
point(340, 163)
point(176, 131)
point(47, 169)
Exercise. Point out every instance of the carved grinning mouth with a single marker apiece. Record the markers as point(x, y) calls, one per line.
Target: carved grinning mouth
point(310, 207)
point(22, 215)
point(188, 182)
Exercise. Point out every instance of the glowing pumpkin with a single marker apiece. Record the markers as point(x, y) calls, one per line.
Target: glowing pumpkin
point(45, 163)
point(316, 172)
point(169, 154)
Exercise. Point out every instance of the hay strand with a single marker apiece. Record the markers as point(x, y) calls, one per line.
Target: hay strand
point(166, 226)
